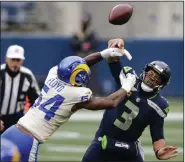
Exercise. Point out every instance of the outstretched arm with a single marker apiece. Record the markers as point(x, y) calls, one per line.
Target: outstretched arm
point(115, 68)
point(98, 56)
point(113, 44)
point(114, 62)
point(93, 58)
point(99, 103)
point(162, 151)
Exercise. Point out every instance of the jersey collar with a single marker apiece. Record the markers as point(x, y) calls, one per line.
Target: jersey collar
point(149, 95)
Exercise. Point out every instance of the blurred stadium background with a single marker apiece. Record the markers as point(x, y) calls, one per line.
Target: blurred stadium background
point(44, 29)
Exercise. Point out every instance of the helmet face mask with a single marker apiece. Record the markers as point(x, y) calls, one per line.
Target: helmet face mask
point(73, 70)
point(82, 79)
point(152, 79)
point(156, 75)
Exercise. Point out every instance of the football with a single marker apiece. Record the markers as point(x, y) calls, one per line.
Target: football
point(120, 14)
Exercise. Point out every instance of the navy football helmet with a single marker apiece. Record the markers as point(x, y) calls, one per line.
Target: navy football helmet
point(163, 71)
point(74, 70)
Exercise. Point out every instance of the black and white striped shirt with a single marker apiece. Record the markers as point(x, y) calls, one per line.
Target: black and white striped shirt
point(15, 88)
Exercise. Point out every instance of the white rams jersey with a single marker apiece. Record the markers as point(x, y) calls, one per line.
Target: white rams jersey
point(53, 107)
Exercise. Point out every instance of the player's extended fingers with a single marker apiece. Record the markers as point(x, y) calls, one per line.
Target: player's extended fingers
point(169, 148)
point(172, 147)
point(174, 151)
point(120, 44)
point(114, 44)
point(110, 42)
point(172, 156)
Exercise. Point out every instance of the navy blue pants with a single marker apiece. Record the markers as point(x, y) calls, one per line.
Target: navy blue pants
point(96, 153)
point(27, 145)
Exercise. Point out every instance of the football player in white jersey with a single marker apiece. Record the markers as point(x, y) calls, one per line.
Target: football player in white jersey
point(64, 92)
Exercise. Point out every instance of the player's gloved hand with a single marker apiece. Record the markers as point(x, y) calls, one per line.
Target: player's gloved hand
point(127, 82)
point(118, 42)
point(111, 52)
point(167, 152)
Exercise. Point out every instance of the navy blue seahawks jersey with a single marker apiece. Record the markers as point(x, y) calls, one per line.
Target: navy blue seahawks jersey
point(140, 109)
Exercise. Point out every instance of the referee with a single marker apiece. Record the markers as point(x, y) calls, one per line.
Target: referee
point(16, 82)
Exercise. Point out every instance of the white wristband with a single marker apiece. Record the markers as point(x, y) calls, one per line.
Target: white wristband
point(126, 88)
point(111, 52)
point(105, 53)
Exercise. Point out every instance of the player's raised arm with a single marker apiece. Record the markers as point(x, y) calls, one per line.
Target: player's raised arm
point(99, 103)
point(114, 62)
point(115, 68)
point(116, 43)
point(93, 58)
point(97, 57)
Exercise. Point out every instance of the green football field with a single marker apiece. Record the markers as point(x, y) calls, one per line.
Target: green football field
point(71, 141)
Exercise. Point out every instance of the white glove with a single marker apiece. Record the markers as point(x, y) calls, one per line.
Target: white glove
point(111, 52)
point(128, 82)
point(127, 54)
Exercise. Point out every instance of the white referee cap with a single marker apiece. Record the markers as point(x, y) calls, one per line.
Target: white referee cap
point(15, 52)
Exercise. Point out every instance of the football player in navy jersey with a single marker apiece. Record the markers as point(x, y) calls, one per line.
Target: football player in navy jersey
point(121, 127)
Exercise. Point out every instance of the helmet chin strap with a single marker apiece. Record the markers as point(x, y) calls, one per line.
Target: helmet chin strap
point(146, 88)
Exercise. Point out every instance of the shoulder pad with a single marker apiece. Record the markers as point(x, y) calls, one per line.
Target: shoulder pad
point(84, 94)
point(53, 70)
point(52, 73)
point(160, 105)
point(165, 105)
point(128, 69)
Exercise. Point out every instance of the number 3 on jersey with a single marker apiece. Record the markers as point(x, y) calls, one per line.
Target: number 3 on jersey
point(127, 117)
point(54, 102)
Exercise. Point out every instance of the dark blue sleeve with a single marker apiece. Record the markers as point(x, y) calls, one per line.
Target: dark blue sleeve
point(115, 69)
point(156, 128)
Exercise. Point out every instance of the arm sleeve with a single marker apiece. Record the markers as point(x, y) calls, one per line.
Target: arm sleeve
point(156, 128)
point(157, 122)
point(115, 69)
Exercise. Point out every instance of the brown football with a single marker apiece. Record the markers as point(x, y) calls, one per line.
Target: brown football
point(120, 14)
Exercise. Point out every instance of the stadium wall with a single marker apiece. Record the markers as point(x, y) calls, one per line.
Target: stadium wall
point(43, 52)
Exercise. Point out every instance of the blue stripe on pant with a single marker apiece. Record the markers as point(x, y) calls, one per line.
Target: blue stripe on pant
point(27, 145)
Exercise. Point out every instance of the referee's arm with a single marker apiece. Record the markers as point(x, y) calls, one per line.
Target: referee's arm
point(33, 91)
